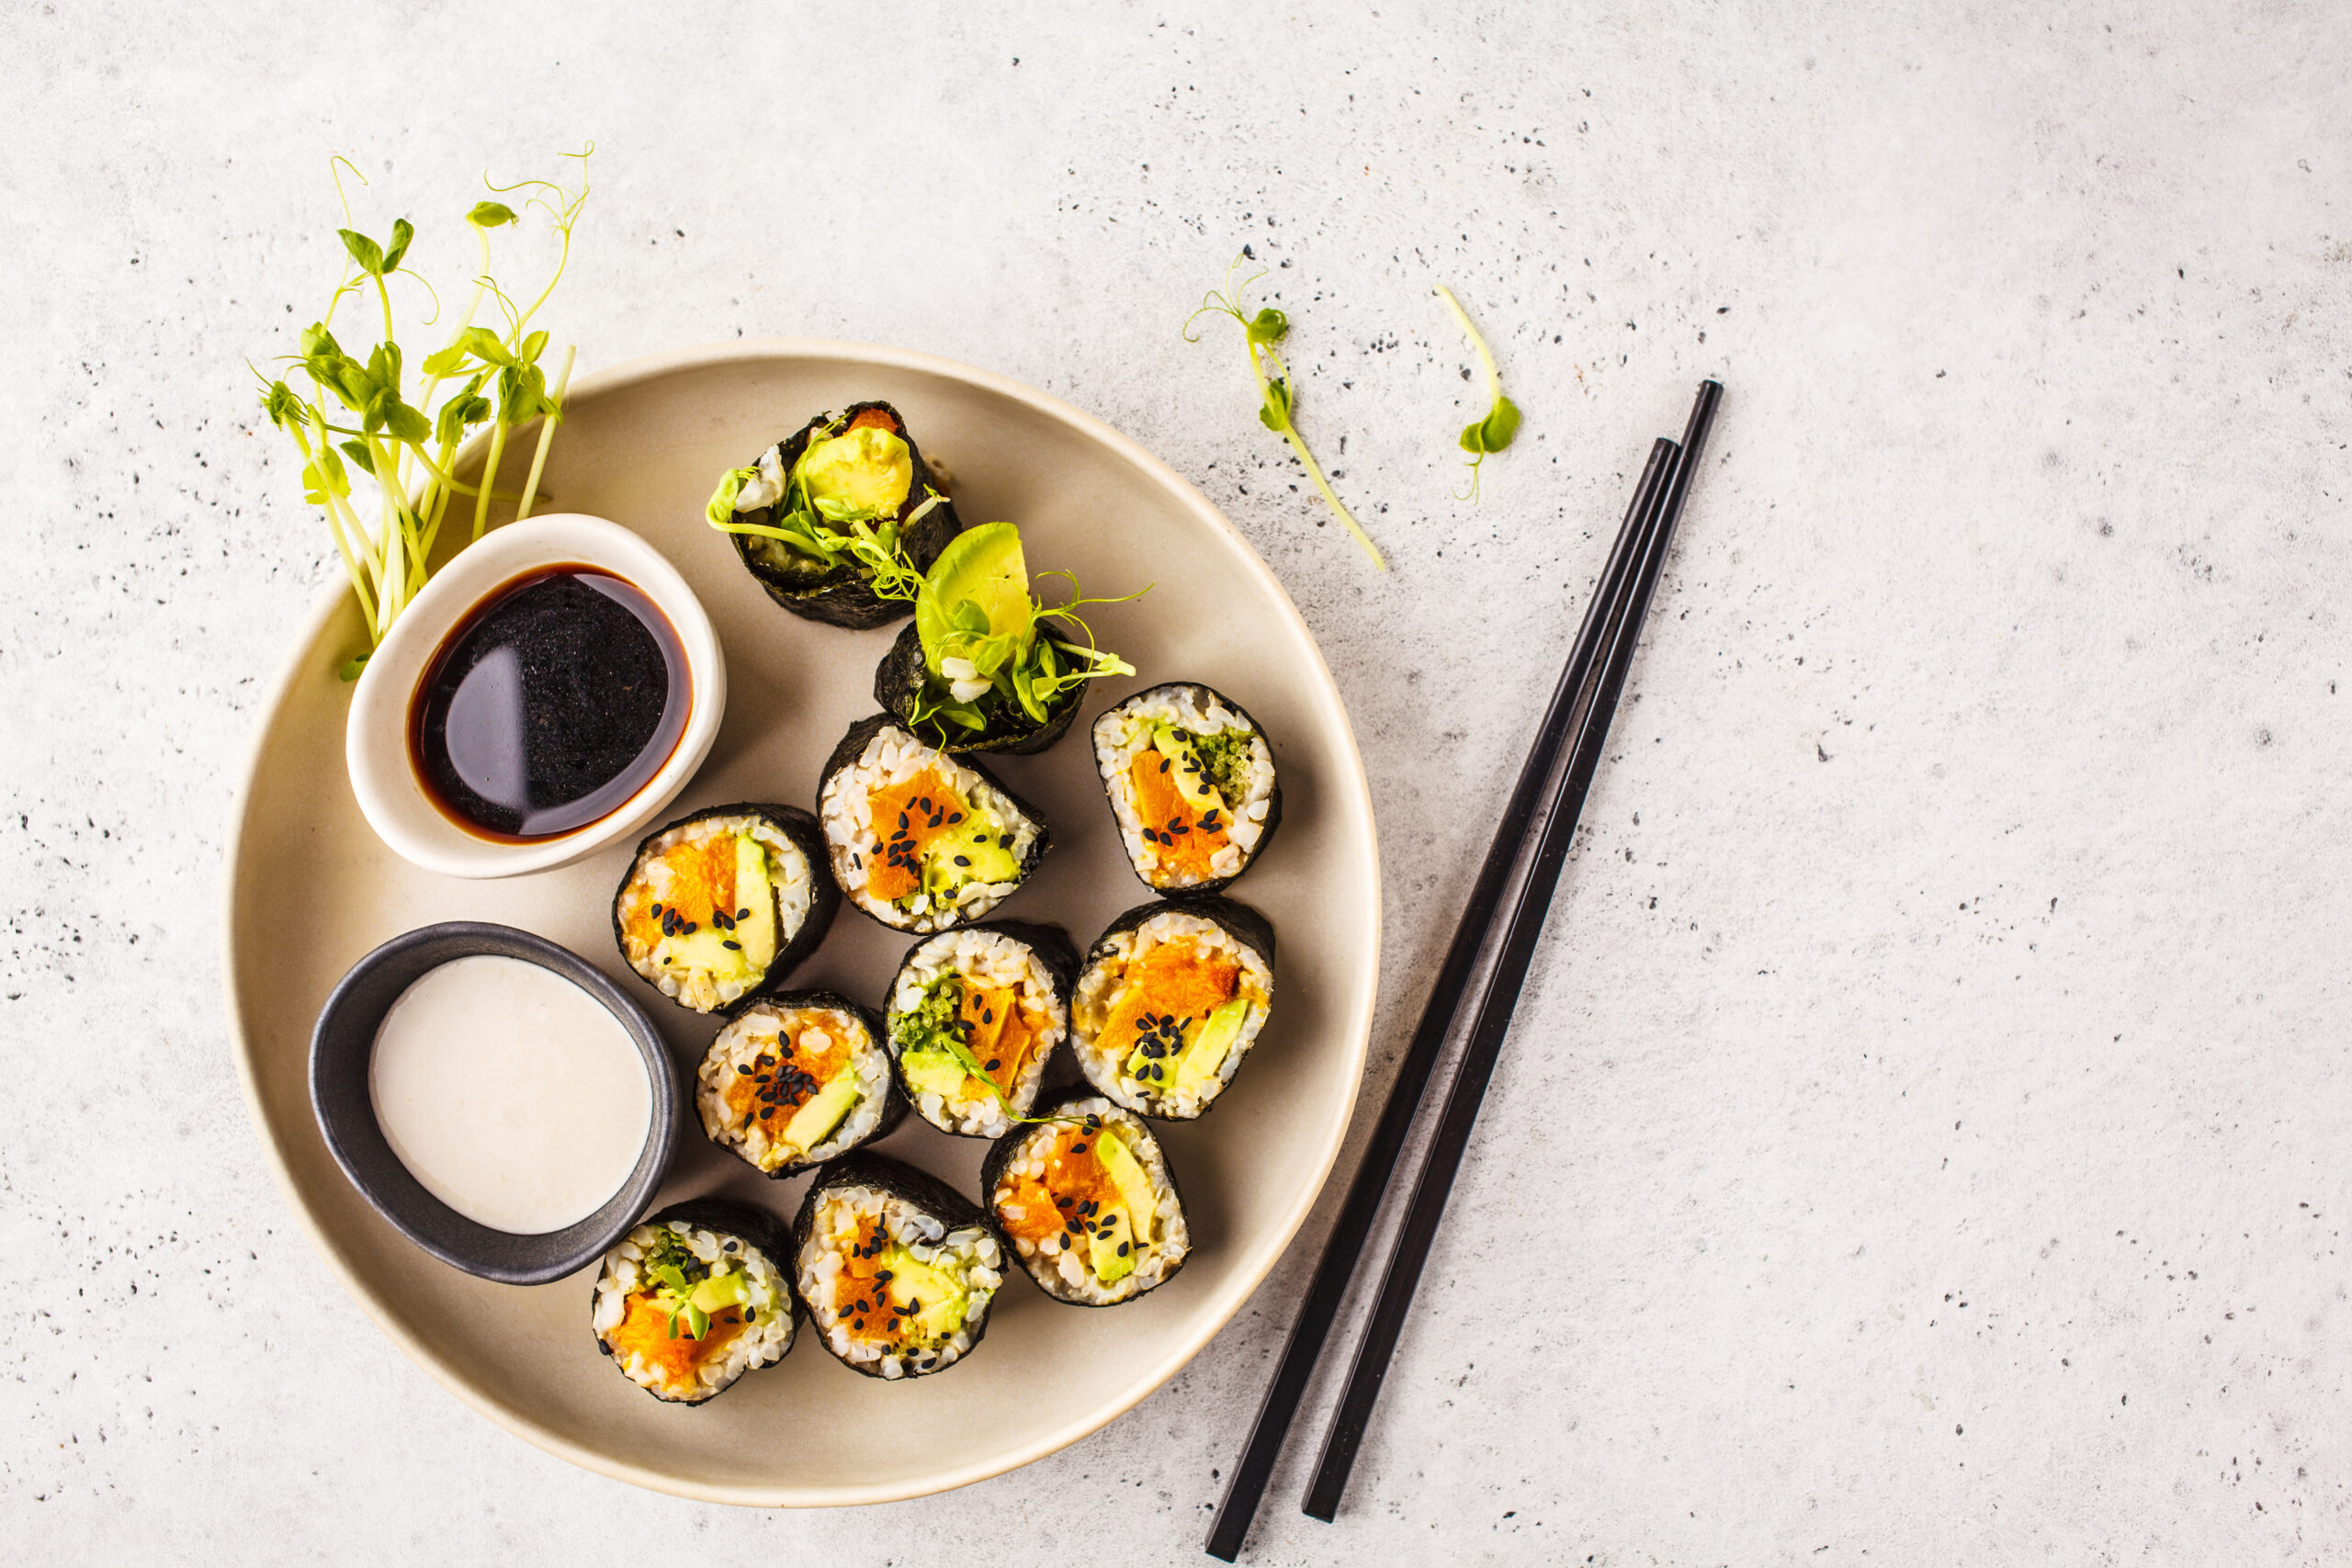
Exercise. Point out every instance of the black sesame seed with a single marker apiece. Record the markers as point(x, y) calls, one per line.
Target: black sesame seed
point(994, 1062)
point(732, 944)
point(1123, 1249)
point(1005, 841)
point(963, 860)
point(729, 1246)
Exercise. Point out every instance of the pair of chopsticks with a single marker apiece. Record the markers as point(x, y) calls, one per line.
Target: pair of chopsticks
point(1575, 728)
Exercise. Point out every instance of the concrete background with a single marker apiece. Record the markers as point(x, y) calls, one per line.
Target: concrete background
point(1924, 1138)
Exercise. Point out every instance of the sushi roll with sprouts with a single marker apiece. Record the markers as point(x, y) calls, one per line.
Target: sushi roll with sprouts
point(974, 1015)
point(897, 1268)
point(987, 665)
point(919, 839)
point(842, 508)
point(795, 1079)
point(1190, 780)
point(1170, 1000)
point(695, 1297)
point(1085, 1196)
point(725, 903)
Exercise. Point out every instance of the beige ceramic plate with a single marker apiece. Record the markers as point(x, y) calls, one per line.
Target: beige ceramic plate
point(310, 889)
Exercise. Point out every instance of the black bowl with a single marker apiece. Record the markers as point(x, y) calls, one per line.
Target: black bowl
point(345, 1039)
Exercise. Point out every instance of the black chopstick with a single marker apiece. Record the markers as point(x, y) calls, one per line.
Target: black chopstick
point(1410, 1250)
point(1251, 1472)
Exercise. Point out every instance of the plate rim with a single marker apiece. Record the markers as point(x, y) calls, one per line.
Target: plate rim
point(1353, 784)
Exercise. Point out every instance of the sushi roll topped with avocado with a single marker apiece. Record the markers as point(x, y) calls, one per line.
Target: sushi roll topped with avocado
point(725, 903)
point(921, 841)
point(1171, 998)
point(695, 1297)
point(1086, 1198)
point(1190, 780)
point(795, 1079)
point(973, 1016)
point(898, 1269)
point(837, 519)
point(986, 667)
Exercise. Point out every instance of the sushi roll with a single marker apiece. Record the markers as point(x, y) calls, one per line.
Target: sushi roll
point(974, 1015)
point(1087, 1199)
point(795, 1079)
point(1171, 998)
point(725, 903)
point(1190, 780)
point(986, 667)
point(695, 1297)
point(921, 841)
point(897, 1268)
point(821, 511)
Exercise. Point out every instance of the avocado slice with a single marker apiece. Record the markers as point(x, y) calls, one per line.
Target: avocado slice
point(815, 1121)
point(1184, 768)
point(978, 842)
point(723, 1290)
point(933, 1072)
point(1206, 1052)
point(705, 948)
point(985, 568)
point(1128, 1175)
point(863, 473)
point(1109, 1248)
point(755, 891)
point(943, 1295)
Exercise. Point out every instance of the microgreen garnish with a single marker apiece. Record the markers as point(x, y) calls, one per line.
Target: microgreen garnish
point(1493, 432)
point(672, 1262)
point(359, 415)
point(1278, 397)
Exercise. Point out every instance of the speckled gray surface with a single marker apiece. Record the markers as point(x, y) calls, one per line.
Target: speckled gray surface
point(1924, 1135)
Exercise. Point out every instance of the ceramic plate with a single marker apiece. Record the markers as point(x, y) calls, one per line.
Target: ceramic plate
point(310, 889)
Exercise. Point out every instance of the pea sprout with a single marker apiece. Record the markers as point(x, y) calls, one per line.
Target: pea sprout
point(1278, 397)
point(1492, 434)
point(358, 415)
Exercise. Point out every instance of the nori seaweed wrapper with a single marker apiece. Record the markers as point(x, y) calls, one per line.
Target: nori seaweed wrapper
point(893, 1104)
point(1053, 948)
point(1274, 798)
point(926, 1191)
point(824, 896)
point(852, 745)
point(1001, 1155)
point(898, 680)
point(748, 1224)
point(843, 595)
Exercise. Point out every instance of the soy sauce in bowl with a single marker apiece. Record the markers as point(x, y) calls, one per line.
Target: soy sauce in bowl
point(552, 703)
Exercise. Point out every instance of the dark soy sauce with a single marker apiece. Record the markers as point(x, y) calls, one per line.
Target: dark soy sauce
point(549, 705)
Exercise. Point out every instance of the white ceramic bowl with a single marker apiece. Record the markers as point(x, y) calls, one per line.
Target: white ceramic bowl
point(375, 735)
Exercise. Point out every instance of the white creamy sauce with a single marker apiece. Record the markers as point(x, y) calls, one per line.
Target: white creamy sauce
point(511, 1094)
